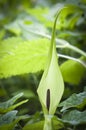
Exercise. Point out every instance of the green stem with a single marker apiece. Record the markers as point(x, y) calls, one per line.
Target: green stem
point(74, 59)
point(65, 44)
point(76, 50)
point(48, 125)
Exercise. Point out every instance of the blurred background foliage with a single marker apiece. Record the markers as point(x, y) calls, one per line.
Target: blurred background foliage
point(19, 16)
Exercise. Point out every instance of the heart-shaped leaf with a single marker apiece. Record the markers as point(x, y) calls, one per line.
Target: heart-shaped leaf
point(9, 105)
point(74, 117)
point(9, 120)
point(19, 57)
point(74, 101)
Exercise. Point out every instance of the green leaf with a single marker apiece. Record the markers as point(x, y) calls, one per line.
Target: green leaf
point(9, 105)
point(14, 28)
point(33, 31)
point(2, 34)
point(84, 1)
point(39, 13)
point(19, 57)
point(39, 125)
point(27, 94)
point(74, 101)
point(74, 117)
point(9, 120)
point(72, 71)
point(34, 126)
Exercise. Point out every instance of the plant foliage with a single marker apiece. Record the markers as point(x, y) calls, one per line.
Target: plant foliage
point(25, 34)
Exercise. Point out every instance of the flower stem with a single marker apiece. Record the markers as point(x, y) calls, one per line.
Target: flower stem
point(48, 125)
point(76, 50)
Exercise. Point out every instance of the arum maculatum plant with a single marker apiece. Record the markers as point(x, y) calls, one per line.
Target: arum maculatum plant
point(51, 86)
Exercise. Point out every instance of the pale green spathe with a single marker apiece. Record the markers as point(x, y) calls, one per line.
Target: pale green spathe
point(51, 86)
point(52, 80)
